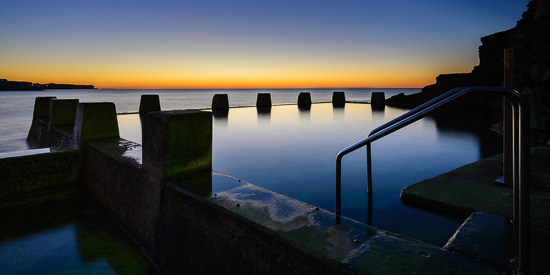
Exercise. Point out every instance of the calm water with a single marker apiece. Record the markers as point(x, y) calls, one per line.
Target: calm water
point(16, 107)
point(64, 233)
point(292, 152)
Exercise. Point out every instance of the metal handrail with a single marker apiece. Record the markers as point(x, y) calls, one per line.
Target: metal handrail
point(399, 119)
point(520, 154)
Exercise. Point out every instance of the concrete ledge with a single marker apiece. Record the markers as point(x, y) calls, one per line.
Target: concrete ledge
point(37, 170)
point(267, 232)
point(484, 237)
point(211, 239)
point(471, 188)
point(464, 190)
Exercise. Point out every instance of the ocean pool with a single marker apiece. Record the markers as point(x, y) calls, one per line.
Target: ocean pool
point(292, 151)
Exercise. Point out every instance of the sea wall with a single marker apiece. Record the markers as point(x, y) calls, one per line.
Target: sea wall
point(33, 171)
point(181, 231)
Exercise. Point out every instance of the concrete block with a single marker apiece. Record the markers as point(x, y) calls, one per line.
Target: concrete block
point(220, 101)
point(304, 100)
point(42, 106)
point(263, 100)
point(95, 121)
point(378, 99)
point(62, 112)
point(177, 143)
point(338, 99)
point(149, 103)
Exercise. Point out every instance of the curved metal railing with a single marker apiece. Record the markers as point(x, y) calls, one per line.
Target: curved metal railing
point(520, 154)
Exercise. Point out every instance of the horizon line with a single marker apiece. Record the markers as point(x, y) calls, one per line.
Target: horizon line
point(259, 88)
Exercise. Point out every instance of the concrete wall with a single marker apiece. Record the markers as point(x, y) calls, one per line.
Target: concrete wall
point(123, 189)
point(199, 237)
point(23, 175)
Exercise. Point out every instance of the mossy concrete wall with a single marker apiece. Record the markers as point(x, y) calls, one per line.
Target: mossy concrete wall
point(120, 185)
point(62, 112)
point(42, 106)
point(200, 237)
point(177, 143)
point(53, 122)
point(23, 175)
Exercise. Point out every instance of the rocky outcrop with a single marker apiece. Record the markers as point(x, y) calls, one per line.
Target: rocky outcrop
point(530, 40)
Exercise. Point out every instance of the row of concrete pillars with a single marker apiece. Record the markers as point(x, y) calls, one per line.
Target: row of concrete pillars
point(60, 122)
point(63, 113)
point(263, 101)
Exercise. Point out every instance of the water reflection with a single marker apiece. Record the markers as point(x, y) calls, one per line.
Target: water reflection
point(221, 117)
point(67, 233)
point(264, 115)
point(305, 115)
point(292, 151)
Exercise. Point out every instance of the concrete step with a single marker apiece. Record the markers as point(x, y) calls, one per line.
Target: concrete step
point(485, 237)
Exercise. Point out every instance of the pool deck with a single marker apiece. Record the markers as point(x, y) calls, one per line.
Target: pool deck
point(470, 189)
point(349, 247)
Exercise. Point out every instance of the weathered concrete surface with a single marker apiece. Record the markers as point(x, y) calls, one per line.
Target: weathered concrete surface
point(485, 237)
point(471, 188)
point(149, 103)
point(62, 112)
point(199, 236)
point(176, 143)
point(390, 254)
point(304, 100)
point(94, 121)
point(38, 170)
point(42, 106)
point(119, 184)
point(338, 99)
point(262, 231)
point(42, 135)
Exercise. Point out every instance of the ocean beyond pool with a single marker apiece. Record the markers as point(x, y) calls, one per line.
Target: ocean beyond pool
point(16, 107)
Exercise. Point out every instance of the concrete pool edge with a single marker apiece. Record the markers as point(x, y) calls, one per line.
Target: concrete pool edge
point(232, 231)
point(471, 188)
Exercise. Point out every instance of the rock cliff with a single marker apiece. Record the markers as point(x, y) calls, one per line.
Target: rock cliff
point(530, 39)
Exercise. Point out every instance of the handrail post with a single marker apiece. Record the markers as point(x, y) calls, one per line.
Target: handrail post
point(524, 191)
point(338, 189)
point(519, 156)
point(369, 169)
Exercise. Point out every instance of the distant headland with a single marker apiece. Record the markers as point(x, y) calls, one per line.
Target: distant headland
point(6, 85)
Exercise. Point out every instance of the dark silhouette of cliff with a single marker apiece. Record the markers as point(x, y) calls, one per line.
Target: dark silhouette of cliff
point(6, 85)
point(530, 39)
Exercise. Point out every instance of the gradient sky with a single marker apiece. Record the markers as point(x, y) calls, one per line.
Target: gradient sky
point(246, 44)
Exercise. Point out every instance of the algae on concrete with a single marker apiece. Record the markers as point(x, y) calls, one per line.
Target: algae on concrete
point(471, 188)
